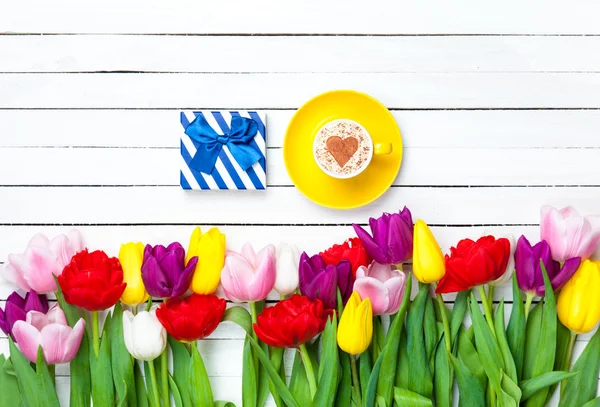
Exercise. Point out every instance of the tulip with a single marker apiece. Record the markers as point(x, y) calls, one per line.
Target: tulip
point(209, 248)
point(351, 250)
point(42, 260)
point(382, 285)
point(92, 281)
point(131, 256)
point(58, 340)
point(145, 337)
point(191, 318)
point(510, 266)
point(291, 322)
point(577, 306)
point(529, 271)
point(392, 240)
point(356, 325)
point(321, 281)
point(164, 271)
point(288, 258)
point(428, 260)
point(568, 233)
point(17, 307)
point(249, 276)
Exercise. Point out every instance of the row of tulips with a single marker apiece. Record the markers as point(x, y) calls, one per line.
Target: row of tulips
point(358, 337)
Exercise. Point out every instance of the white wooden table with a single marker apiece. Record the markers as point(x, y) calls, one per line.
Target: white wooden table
point(499, 106)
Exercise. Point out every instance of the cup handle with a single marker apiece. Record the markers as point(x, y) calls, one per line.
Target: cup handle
point(382, 148)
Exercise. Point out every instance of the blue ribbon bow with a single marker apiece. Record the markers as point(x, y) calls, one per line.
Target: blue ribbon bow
point(243, 131)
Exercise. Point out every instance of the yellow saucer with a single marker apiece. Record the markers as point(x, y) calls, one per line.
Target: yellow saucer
point(306, 174)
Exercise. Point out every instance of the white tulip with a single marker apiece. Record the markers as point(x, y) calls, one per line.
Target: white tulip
point(145, 337)
point(510, 266)
point(288, 258)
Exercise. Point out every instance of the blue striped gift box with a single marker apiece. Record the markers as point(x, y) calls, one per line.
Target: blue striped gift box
point(227, 173)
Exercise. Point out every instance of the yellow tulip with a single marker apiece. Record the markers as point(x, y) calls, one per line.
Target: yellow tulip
point(578, 307)
point(210, 249)
point(131, 256)
point(355, 330)
point(428, 260)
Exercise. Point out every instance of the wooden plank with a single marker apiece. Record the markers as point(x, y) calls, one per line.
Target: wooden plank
point(423, 129)
point(297, 54)
point(395, 90)
point(171, 205)
point(311, 16)
point(476, 166)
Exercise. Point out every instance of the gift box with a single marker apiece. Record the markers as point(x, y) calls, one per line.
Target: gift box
point(223, 150)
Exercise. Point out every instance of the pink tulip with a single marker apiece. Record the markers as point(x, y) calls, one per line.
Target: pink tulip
point(249, 276)
point(384, 286)
point(34, 269)
point(568, 233)
point(58, 340)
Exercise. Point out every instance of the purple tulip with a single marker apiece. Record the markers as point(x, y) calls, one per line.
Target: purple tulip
point(392, 240)
point(529, 271)
point(318, 280)
point(17, 307)
point(164, 271)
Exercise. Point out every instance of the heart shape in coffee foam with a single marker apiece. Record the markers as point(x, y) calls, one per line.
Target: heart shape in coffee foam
point(342, 149)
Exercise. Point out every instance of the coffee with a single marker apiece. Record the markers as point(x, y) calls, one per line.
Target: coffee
point(343, 148)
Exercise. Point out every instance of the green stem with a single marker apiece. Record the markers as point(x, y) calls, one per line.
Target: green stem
point(355, 379)
point(254, 315)
point(310, 373)
point(149, 304)
point(490, 295)
point(488, 309)
point(52, 370)
point(447, 336)
point(528, 301)
point(154, 383)
point(567, 362)
point(281, 297)
point(95, 337)
point(164, 376)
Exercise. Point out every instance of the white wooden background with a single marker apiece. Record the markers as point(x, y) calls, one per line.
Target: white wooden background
point(498, 104)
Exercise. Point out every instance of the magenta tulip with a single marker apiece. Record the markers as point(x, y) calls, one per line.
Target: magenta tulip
point(568, 233)
point(17, 307)
point(42, 260)
point(249, 276)
point(384, 286)
point(58, 340)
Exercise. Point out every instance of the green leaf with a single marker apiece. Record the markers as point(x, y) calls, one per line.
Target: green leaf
point(175, 391)
point(140, 388)
point(531, 386)
point(511, 393)
point(299, 383)
point(544, 361)
point(470, 387)
point(443, 377)
point(509, 363)
point(344, 390)
point(221, 403)
point(103, 392)
point(517, 325)
point(404, 397)
point(369, 396)
point(430, 331)
point(121, 360)
point(563, 336)
point(420, 379)
point(80, 375)
point(402, 367)
point(150, 385)
point(249, 376)
point(200, 389)
point(26, 376)
point(10, 394)
point(181, 363)
point(386, 378)
point(239, 316)
point(532, 337)
point(276, 356)
point(365, 366)
point(593, 403)
point(329, 366)
point(283, 391)
point(46, 389)
point(458, 314)
point(263, 379)
point(582, 388)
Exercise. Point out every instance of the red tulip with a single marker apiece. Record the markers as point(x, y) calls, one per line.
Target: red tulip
point(92, 281)
point(191, 318)
point(292, 322)
point(351, 250)
point(474, 263)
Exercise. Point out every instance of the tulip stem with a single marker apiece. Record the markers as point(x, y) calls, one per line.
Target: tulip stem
point(528, 301)
point(488, 309)
point(149, 304)
point(95, 337)
point(310, 373)
point(154, 383)
point(254, 316)
point(164, 376)
point(355, 379)
point(447, 336)
point(490, 295)
point(567, 362)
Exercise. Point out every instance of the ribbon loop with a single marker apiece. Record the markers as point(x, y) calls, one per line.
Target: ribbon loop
point(243, 131)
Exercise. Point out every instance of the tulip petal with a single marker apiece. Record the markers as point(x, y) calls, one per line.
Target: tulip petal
point(185, 278)
point(13, 275)
point(249, 254)
point(128, 331)
point(395, 287)
point(28, 338)
point(62, 251)
point(41, 267)
point(236, 277)
point(381, 272)
point(155, 279)
point(369, 243)
point(38, 320)
point(39, 240)
point(375, 290)
point(566, 272)
point(264, 279)
point(73, 343)
point(54, 340)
